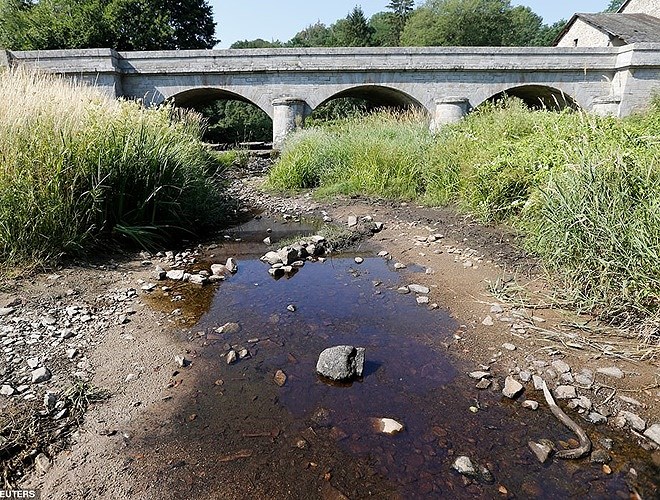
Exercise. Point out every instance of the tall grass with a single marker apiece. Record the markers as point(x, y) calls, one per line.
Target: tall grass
point(77, 166)
point(371, 156)
point(584, 190)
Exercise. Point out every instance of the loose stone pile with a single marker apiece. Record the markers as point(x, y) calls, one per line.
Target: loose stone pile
point(287, 260)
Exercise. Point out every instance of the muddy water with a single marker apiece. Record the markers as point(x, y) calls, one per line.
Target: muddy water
point(235, 434)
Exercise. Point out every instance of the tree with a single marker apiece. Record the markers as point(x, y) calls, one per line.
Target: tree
point(258, 43)
point(523, 28)
point(315, 35)
point(401, 10)
point(458, 22)
point(548, 34)
point(383, 30)
point(118, 24)
point(353, 30)
point(614, 5)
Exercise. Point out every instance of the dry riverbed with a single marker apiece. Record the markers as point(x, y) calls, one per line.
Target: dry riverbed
point(112, 324)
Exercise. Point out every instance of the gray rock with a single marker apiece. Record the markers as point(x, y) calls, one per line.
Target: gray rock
point(600, 457)
point(561, 366)
point(611, 371)
point(359, 260)
point(596, 418)
point(42, 463)
point(585, 378)
point(512, 387)
point(33, 362)
point(525, 376)
point(509, 346)
point(232, 265)
point(565, 392)
point(232, 356)
point(538, 382)
point(633, 420)
point(422, 300)
point(383, 253)
point(7, 390)
point(488, 321)
point(341, 363)
point(175, 274)
point(40, 375)
point(653, 433)
point(270, 257)
point(421, 289)
point(198, 279)
point(352, 221)
point(478, 375)
point(567, 378)
point(268, 241)
point(218, 269)
point(541, 450)
point(484, 383)
point(229, 328)
point(463, 465)
point(403, 290)
point(6, 311)
point(181, 360)
point(287, 255)
point(530, 404)
point(399, 265)
point(496, 309)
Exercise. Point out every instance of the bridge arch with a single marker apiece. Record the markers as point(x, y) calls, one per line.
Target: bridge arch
point(232, 118)
point(377, 95)
point(538, 97)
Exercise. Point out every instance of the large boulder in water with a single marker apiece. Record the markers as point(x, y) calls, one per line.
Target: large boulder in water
point(341, 363)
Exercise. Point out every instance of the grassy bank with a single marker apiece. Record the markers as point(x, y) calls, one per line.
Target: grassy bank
point(584, 190)
point(78, 167)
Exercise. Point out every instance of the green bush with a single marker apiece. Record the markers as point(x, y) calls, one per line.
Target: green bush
point(78, 166)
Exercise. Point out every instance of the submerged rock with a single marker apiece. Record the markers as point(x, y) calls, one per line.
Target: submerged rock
point(463, 465)
point(341, 363)
point(387, 426)
point(541, 450)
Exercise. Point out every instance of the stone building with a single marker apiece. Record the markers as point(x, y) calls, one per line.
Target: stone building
point(636, 21)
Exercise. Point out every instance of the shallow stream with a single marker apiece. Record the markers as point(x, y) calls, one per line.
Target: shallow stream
point(241, 435)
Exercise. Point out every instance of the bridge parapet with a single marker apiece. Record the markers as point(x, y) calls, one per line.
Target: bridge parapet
point(418, 76)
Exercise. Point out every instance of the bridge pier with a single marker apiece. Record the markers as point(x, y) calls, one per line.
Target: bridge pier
point(449, 110)
point(606, 106)
point(288, 115)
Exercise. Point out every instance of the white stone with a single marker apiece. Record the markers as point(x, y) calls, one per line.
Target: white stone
point(653, 433)
point(565, 392)
point(530, 404)
point(421, 289)
point(231, 265)
point(463, 465)
point(511, 387)
point(387, 426)
point(611, 371)
point(633, 420)
point(488, 321)
point(561, 366)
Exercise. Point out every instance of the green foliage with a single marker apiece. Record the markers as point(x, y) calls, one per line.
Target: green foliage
point(474, 23)
point(353, 30)
point(315, 35)
point(119, 24)
point(400, 12)
point(257, 43)
point(77, 167)
point(383, 30)
point(615, 5)
point(585, 190)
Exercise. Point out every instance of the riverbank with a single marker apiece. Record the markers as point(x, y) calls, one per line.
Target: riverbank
point(489, 286)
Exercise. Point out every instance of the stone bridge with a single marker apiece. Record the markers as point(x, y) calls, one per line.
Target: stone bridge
point(446, 82)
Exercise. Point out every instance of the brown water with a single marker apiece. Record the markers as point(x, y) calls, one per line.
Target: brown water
point(236, 434)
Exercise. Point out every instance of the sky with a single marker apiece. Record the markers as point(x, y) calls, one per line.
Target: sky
point(282, 19)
